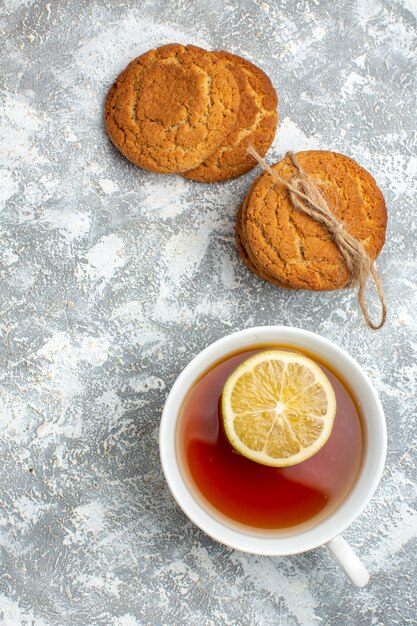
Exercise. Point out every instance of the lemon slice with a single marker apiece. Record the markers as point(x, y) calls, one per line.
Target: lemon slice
point(278, 408)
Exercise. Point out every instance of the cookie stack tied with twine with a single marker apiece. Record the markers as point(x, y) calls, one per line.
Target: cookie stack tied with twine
point(316, 220)
point(183, 110)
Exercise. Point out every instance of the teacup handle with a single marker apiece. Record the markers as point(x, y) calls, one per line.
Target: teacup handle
point(348, 561)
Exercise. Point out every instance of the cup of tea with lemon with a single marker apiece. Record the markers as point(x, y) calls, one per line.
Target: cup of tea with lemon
point(272, 441)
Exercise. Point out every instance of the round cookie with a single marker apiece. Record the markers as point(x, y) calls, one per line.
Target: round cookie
point(255, 124)
point(292, 248)
point(171, 108)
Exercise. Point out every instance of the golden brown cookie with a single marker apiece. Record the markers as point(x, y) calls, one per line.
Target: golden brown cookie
point(171, 108)
point(292, 249)
point(255, 125)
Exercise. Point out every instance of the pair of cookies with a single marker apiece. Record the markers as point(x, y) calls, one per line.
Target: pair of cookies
point(290, 249)
point(183, 110)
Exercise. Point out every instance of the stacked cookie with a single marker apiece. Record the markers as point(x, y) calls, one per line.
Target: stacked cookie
point(183, 110)
point(291, 249)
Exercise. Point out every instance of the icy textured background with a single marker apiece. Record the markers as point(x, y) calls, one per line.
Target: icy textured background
point(113, 278)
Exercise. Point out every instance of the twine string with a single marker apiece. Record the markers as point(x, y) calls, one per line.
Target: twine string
point(306, 196)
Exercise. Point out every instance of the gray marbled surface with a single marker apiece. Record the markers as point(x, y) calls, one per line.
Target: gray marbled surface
point(113, 278)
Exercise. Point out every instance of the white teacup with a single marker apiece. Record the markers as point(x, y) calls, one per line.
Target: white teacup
point(326, 531)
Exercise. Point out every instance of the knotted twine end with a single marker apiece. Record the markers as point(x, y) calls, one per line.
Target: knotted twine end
point(306, 196)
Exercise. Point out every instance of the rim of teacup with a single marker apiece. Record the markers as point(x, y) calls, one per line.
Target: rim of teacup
point(258, 541)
